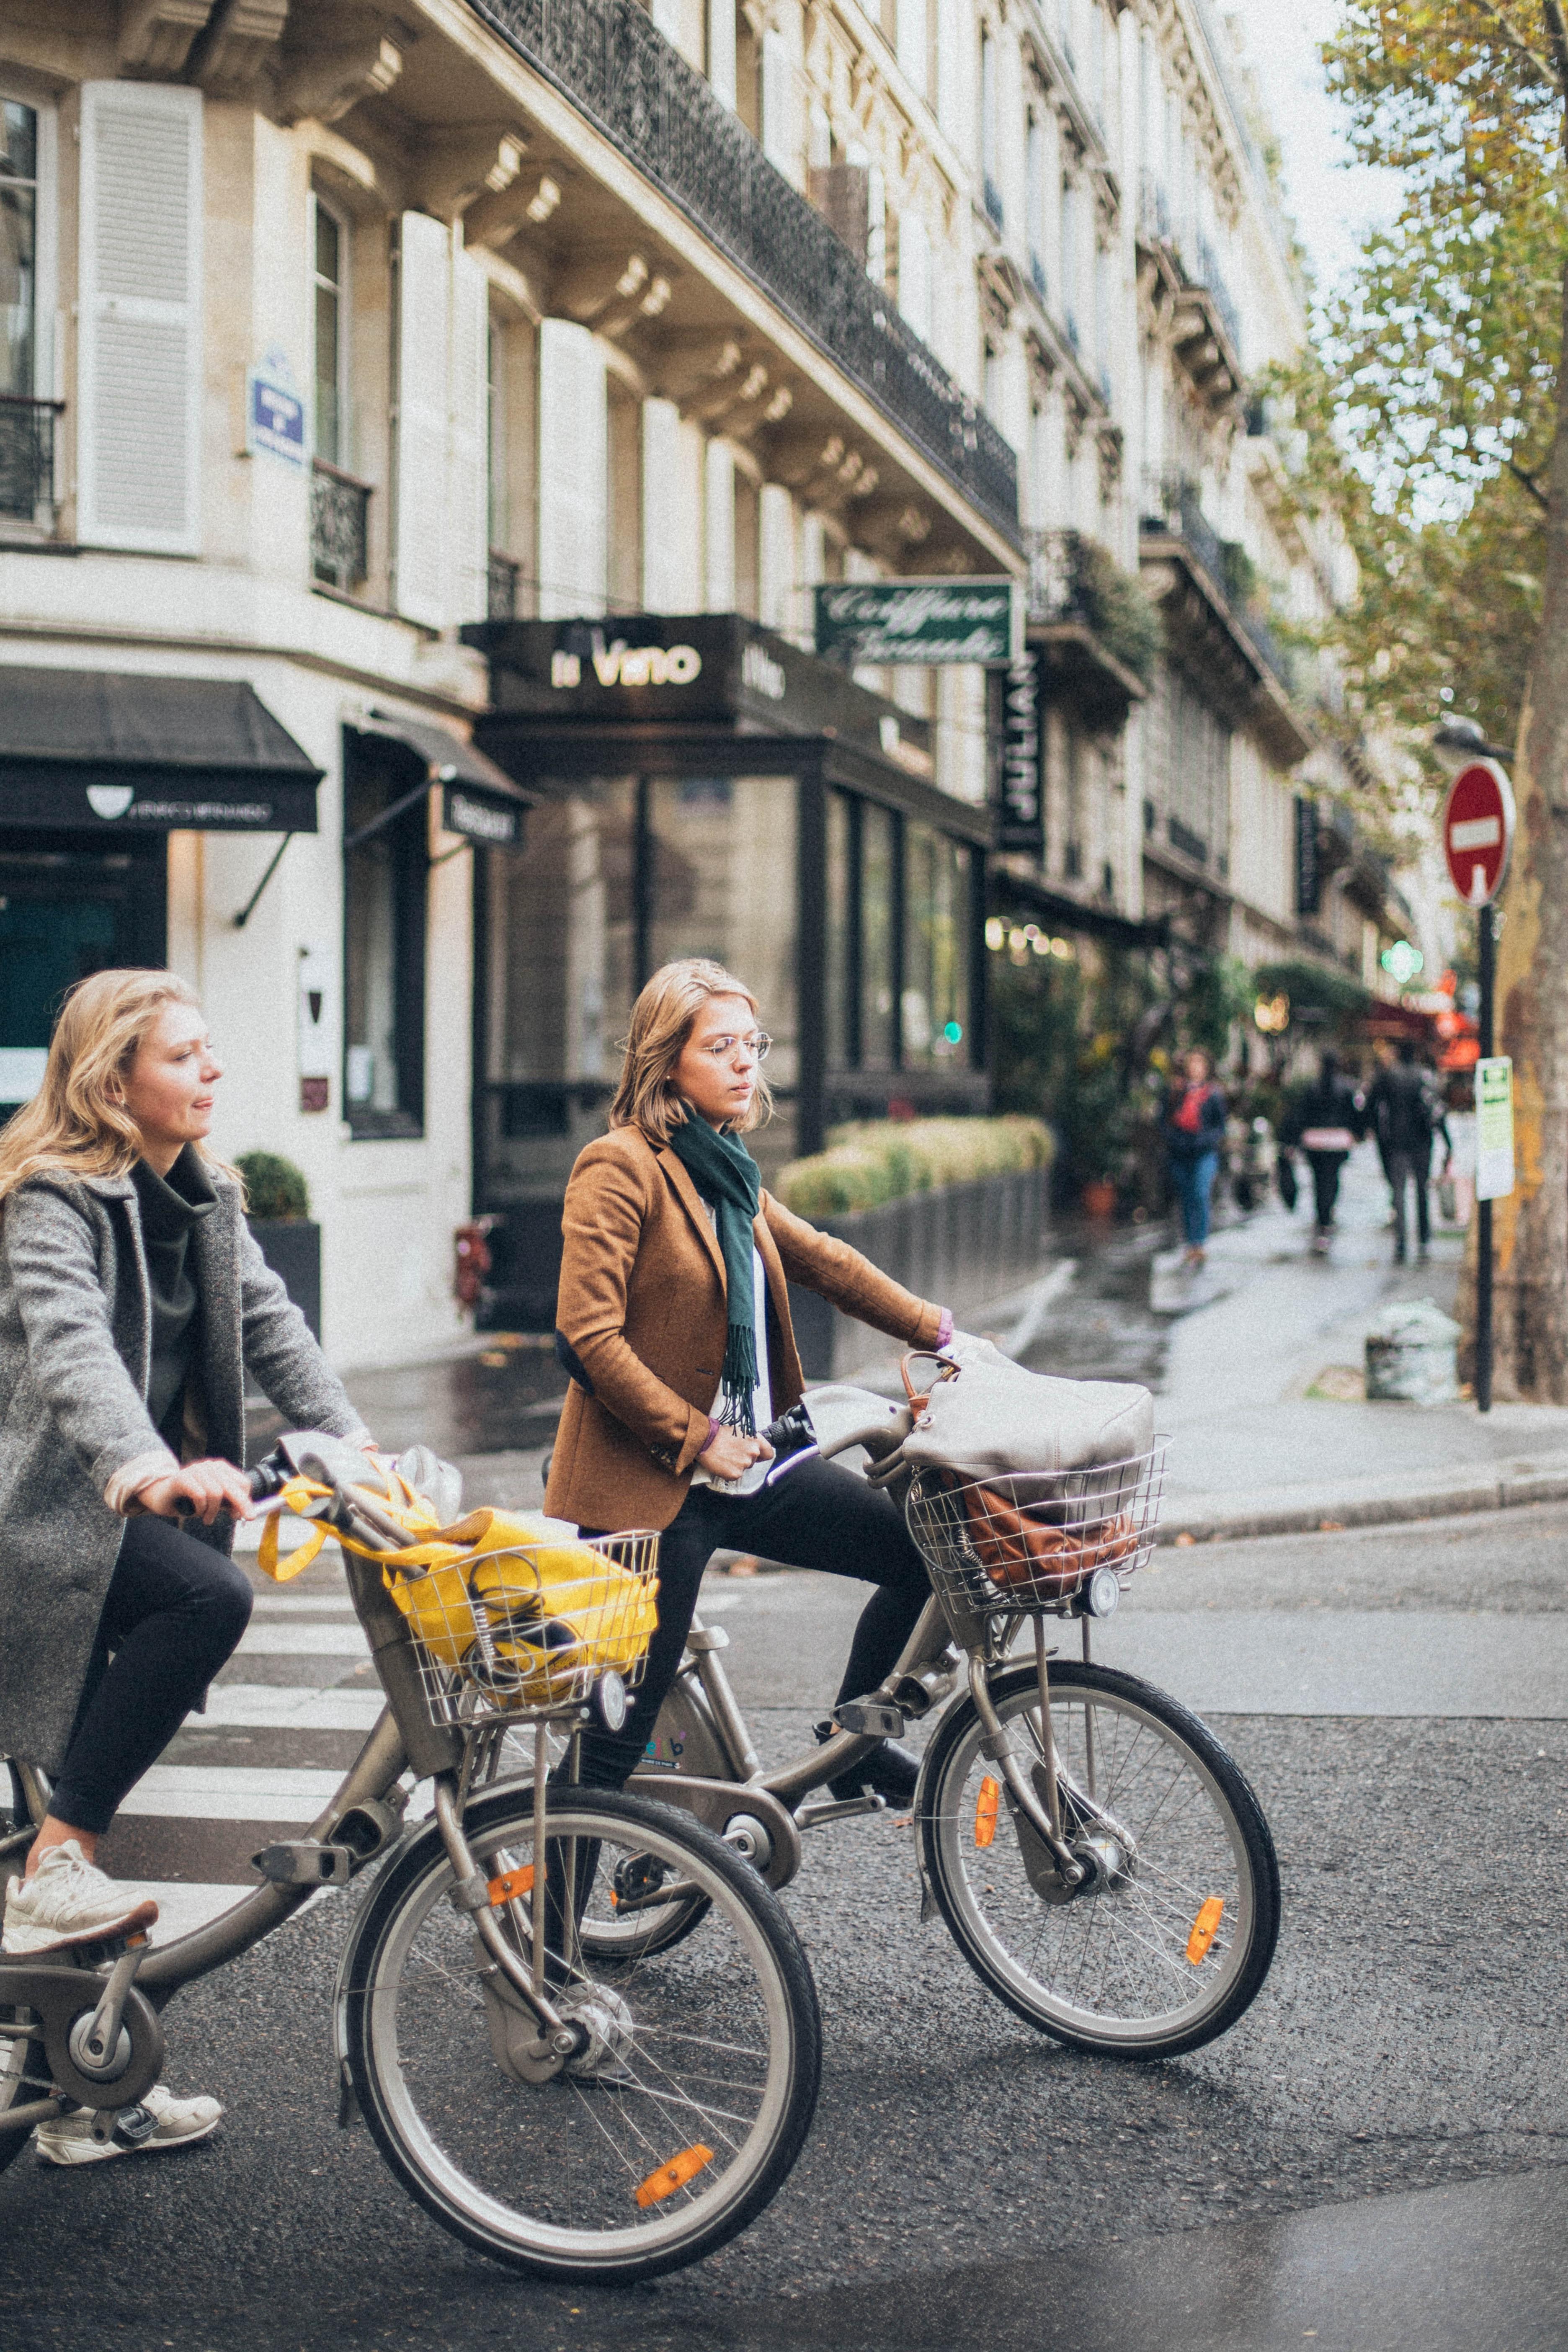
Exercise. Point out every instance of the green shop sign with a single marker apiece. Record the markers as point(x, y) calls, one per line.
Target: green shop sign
point(920, 621)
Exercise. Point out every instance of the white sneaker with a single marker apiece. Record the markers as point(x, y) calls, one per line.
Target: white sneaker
point(69, 1900)
point(160, 2120)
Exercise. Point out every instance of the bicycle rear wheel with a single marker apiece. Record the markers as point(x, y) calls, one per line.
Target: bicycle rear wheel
point(681, 2120)
point(1169, 1936)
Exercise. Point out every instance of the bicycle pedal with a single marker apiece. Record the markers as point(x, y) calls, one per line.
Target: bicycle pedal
point(303, 1863)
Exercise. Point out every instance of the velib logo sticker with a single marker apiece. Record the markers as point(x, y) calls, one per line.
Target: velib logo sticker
point(109, 800)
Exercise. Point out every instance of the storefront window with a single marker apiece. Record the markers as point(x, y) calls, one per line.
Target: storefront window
point(722, 884)
point(879, 937)
point(18, 248)
point(387, 863)
point(936, 948)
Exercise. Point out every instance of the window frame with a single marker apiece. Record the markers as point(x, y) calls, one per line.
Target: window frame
point(47, 367)
point(343, 290)
point(407, 835)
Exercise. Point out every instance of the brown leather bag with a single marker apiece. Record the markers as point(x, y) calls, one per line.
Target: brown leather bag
point(1021, 1552)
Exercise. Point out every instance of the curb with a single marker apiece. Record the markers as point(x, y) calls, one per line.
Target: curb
point(1211, 1519)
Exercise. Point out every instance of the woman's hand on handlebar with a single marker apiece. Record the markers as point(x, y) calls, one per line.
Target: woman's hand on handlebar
point(199, 1490)
point(730, 1455)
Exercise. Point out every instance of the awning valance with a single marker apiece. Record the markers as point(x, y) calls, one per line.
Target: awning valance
point(112, 751)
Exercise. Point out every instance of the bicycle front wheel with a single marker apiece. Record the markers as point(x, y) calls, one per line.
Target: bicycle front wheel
point(682, 2117)
point(1169, 1936)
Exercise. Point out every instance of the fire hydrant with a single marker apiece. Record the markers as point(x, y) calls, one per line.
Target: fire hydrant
point(473, 1264)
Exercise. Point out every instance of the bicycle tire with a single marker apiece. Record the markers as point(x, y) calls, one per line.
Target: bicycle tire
point(562, 2198)
point(23, 2069)
point(1147, 1917)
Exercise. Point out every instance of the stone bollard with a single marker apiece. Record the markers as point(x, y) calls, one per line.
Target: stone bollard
point(1411, 1355)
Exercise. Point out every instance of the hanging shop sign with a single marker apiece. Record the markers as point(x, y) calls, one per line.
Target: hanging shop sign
point(274, 410)
point(478, 816)
point(926, 621)
point(1023, 828)
point(1309, 869)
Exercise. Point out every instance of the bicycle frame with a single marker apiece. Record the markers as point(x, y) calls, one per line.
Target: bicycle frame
point(145, 1978)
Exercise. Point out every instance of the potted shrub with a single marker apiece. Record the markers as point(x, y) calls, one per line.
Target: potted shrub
point(277, 1210)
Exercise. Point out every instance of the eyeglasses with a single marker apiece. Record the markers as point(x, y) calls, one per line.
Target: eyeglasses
point(757, 1045)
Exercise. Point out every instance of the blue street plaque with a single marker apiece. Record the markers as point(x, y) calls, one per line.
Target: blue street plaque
point(274, 410)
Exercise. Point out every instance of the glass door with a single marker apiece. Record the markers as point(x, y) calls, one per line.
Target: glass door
point(65, 912)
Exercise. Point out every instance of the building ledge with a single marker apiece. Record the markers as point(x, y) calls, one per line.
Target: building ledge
point(1081, 669)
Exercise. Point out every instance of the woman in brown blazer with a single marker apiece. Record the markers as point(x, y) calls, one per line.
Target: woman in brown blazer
point(673, 1321)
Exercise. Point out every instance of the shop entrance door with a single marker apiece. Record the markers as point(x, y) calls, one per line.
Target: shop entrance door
point(66, 911)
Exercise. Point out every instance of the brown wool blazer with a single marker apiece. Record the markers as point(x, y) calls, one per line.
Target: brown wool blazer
point(642, 1307)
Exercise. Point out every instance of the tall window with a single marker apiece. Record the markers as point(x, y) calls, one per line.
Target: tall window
point(935, 1022)
point(18, 249)
point(1035, 200)
point(1067, 270)
point(329, 262)
point(989, 128)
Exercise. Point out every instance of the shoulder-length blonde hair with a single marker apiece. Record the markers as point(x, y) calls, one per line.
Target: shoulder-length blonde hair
point(660, 1026)
point(77, 1124)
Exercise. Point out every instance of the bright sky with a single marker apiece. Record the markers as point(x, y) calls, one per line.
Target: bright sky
point(1332, 199)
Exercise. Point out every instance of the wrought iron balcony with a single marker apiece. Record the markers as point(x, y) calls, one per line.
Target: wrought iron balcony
point(619, 71)
point(1171, 505)
point(340, 525)
point(28, 456)
point(501, 597)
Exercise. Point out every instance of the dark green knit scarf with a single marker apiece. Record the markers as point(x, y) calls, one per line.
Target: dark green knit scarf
point(725, 1174)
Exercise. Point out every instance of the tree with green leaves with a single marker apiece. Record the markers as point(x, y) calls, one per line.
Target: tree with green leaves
point(1444, 403)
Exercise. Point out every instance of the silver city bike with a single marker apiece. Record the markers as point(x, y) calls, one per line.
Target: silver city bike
point(1100, 1858)
point(581, 2106)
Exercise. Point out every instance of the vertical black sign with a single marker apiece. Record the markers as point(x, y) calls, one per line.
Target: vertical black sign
point(1309, 875)
point(1023, 824)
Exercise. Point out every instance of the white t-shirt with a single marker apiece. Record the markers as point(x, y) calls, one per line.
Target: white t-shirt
point(761, 1395)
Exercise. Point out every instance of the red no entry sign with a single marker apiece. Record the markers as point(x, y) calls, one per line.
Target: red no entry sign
point(1478, 830)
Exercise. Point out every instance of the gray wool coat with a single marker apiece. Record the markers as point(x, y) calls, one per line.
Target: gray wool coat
point(75, 1341)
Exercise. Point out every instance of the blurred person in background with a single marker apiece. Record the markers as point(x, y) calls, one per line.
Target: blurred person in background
point(1405, 1114)
point(1325, 1122)
point(1193, 1128)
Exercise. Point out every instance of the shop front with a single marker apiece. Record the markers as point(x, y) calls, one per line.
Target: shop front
point(706, 788)
point(96, 770)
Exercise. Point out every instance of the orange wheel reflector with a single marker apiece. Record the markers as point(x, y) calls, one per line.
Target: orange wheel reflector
point(510, 1885)
point(1205, 1927)
point(985, 1811)
point(673, 2175)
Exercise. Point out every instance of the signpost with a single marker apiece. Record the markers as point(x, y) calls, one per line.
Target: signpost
point(929, 622)
point(1477, 833)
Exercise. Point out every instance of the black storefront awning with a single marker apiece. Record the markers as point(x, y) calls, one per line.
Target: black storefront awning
point(107, 752)
point(479, 799)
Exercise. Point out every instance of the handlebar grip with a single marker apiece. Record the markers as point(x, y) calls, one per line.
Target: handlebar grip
point(183, 1507)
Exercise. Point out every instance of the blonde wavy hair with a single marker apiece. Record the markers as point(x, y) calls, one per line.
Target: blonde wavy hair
point(660, 1025)
point(77, 1124)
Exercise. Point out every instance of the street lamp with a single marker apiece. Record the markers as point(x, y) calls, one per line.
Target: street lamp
point(1456, 741)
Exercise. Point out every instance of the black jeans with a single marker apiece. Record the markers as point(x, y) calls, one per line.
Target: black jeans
point(1325, 1167)
point(1414, 1168)
point(173, 1614)
point(818, 1516)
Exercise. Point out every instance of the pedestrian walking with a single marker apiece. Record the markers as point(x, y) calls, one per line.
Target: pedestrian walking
point(1325, 1123)
point(1405, 1113)
point(1194, 1130)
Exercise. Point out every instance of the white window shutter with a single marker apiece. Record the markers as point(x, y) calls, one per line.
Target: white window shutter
point(469, 455)
point(139, 379)
point(421, 519)
point(574, 472)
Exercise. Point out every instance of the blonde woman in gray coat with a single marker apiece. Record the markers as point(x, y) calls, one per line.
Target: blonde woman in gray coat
point(132, 1301)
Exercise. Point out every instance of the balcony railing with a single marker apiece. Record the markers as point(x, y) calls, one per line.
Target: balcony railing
point(620, 72)
point(1074, 578)
point(340, 525)
point(1170, 504)
point(500, 592)
point(26, 456)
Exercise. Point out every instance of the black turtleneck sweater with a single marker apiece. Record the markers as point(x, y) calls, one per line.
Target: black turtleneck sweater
point(171, 1207)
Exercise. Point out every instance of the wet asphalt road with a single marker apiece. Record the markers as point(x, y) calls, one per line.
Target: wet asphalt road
point(1409, 2037)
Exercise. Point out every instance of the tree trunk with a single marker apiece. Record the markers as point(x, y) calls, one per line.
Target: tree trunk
point(1531, 1228)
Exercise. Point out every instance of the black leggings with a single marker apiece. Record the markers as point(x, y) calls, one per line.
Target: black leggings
point(817, 1516)
point(173, 1614)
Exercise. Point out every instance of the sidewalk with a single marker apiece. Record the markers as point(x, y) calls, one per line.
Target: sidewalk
point(1262, 1388)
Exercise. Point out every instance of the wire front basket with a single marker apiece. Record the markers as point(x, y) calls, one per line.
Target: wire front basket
point(1026, 1543)
point(527, 1629)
